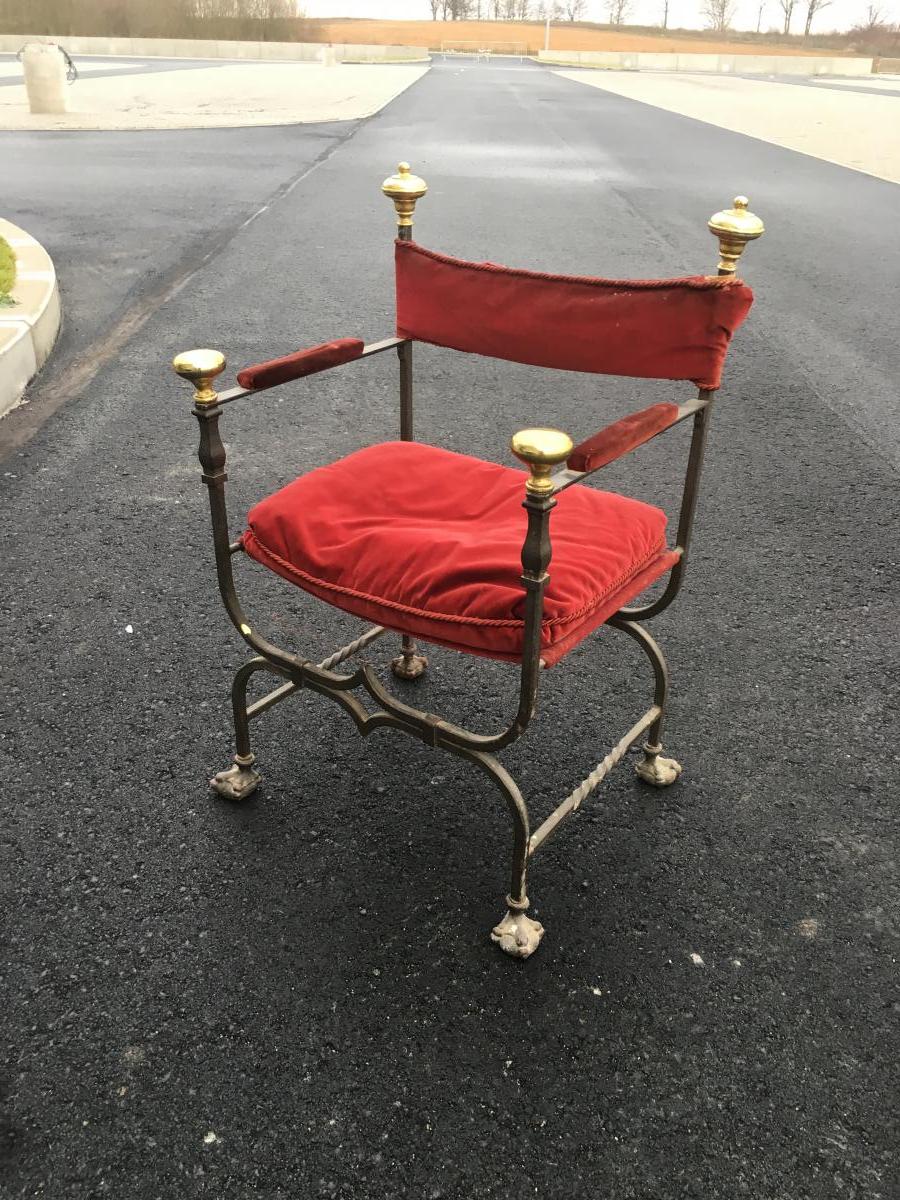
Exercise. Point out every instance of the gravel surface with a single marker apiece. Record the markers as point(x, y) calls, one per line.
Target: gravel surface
point(298, 997)
point(853, 126)
point(214, 95)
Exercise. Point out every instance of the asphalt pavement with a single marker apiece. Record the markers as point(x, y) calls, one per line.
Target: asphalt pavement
point(298, 997)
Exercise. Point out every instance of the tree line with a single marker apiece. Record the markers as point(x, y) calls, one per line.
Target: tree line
point(283, 20)
point(719, 15)
point(507, 10)
point(257, 19)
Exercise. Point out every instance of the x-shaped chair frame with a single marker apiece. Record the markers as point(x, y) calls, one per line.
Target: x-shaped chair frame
point(543, 451)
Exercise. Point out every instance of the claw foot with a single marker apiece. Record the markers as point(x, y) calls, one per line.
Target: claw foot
point(409, 666)
point(238, 781)
point(655, 769)
point(517, 934)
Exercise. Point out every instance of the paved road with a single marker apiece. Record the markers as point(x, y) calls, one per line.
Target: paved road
point(298, 998)
point(817, 82)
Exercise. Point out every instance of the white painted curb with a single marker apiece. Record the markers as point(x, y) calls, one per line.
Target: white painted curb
point(28, 329)
point(726, 64)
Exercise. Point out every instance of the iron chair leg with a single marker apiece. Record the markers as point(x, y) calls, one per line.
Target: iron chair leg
point(653, 768)
point(408, 664)
point(240, 780)
point(517, 934)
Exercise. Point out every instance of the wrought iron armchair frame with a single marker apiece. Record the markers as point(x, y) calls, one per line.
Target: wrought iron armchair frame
point(541, 451)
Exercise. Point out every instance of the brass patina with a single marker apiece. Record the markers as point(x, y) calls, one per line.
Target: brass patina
point(544, 452)
point(200, 367)
point(541, 450)
point(734, 227)
point(404, 189)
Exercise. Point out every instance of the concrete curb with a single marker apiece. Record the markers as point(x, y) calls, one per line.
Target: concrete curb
point(27, 330)
point(726, 64)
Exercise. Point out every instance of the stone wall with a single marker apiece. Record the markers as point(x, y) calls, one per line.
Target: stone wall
point(193, 48)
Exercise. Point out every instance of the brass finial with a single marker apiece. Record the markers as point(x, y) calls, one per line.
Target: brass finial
point(404, 189)
point(200, 367)
point(734, 227)
point(541, 450)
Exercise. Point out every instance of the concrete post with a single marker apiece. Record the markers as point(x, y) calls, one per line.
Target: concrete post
point(329, 56)
point(45, 78)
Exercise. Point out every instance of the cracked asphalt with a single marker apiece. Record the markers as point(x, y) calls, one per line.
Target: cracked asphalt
point(298, 997)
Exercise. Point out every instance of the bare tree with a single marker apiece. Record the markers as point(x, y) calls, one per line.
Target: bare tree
point(261, 10)
point(573, 9)
point(719, 14)
point(665, 20)
point(874, 17)
point(813, 7)
point(762, 5)
point(523, 10)
point(618, 10)
point(787, 7)
point(153, 18)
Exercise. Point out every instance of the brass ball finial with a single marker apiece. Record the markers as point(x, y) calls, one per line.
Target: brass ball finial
point(404, 189)
point(200, 367)
point(541, 450)
point(734, 227)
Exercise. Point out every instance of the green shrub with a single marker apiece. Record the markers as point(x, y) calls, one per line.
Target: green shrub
point(7, 271)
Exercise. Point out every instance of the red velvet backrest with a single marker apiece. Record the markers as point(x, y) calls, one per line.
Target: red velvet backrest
point(652, 329)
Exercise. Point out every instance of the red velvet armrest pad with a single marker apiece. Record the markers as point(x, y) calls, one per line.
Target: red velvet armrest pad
point(621, 437)
point(303, 362)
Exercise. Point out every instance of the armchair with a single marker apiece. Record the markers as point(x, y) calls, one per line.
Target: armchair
point(434, 546)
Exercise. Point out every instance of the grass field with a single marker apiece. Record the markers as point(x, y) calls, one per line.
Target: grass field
point(7, 271)
point(531, 34)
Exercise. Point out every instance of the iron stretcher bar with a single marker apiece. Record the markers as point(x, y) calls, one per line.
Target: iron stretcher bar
point(573, 801)
point(339, 656)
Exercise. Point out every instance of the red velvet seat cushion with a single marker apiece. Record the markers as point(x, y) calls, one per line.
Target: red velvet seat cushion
point(429, 543)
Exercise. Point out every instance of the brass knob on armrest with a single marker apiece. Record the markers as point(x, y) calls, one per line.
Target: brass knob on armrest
point(541, 450)
point(200, 367)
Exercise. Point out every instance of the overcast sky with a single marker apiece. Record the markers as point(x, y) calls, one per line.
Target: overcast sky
point(841, 14)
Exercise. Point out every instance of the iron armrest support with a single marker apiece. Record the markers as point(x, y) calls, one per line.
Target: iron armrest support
point(685, 515)
point(540, 499)
point(700, 410)
point(238, 393)
point(319, 677)
point(567, 477)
